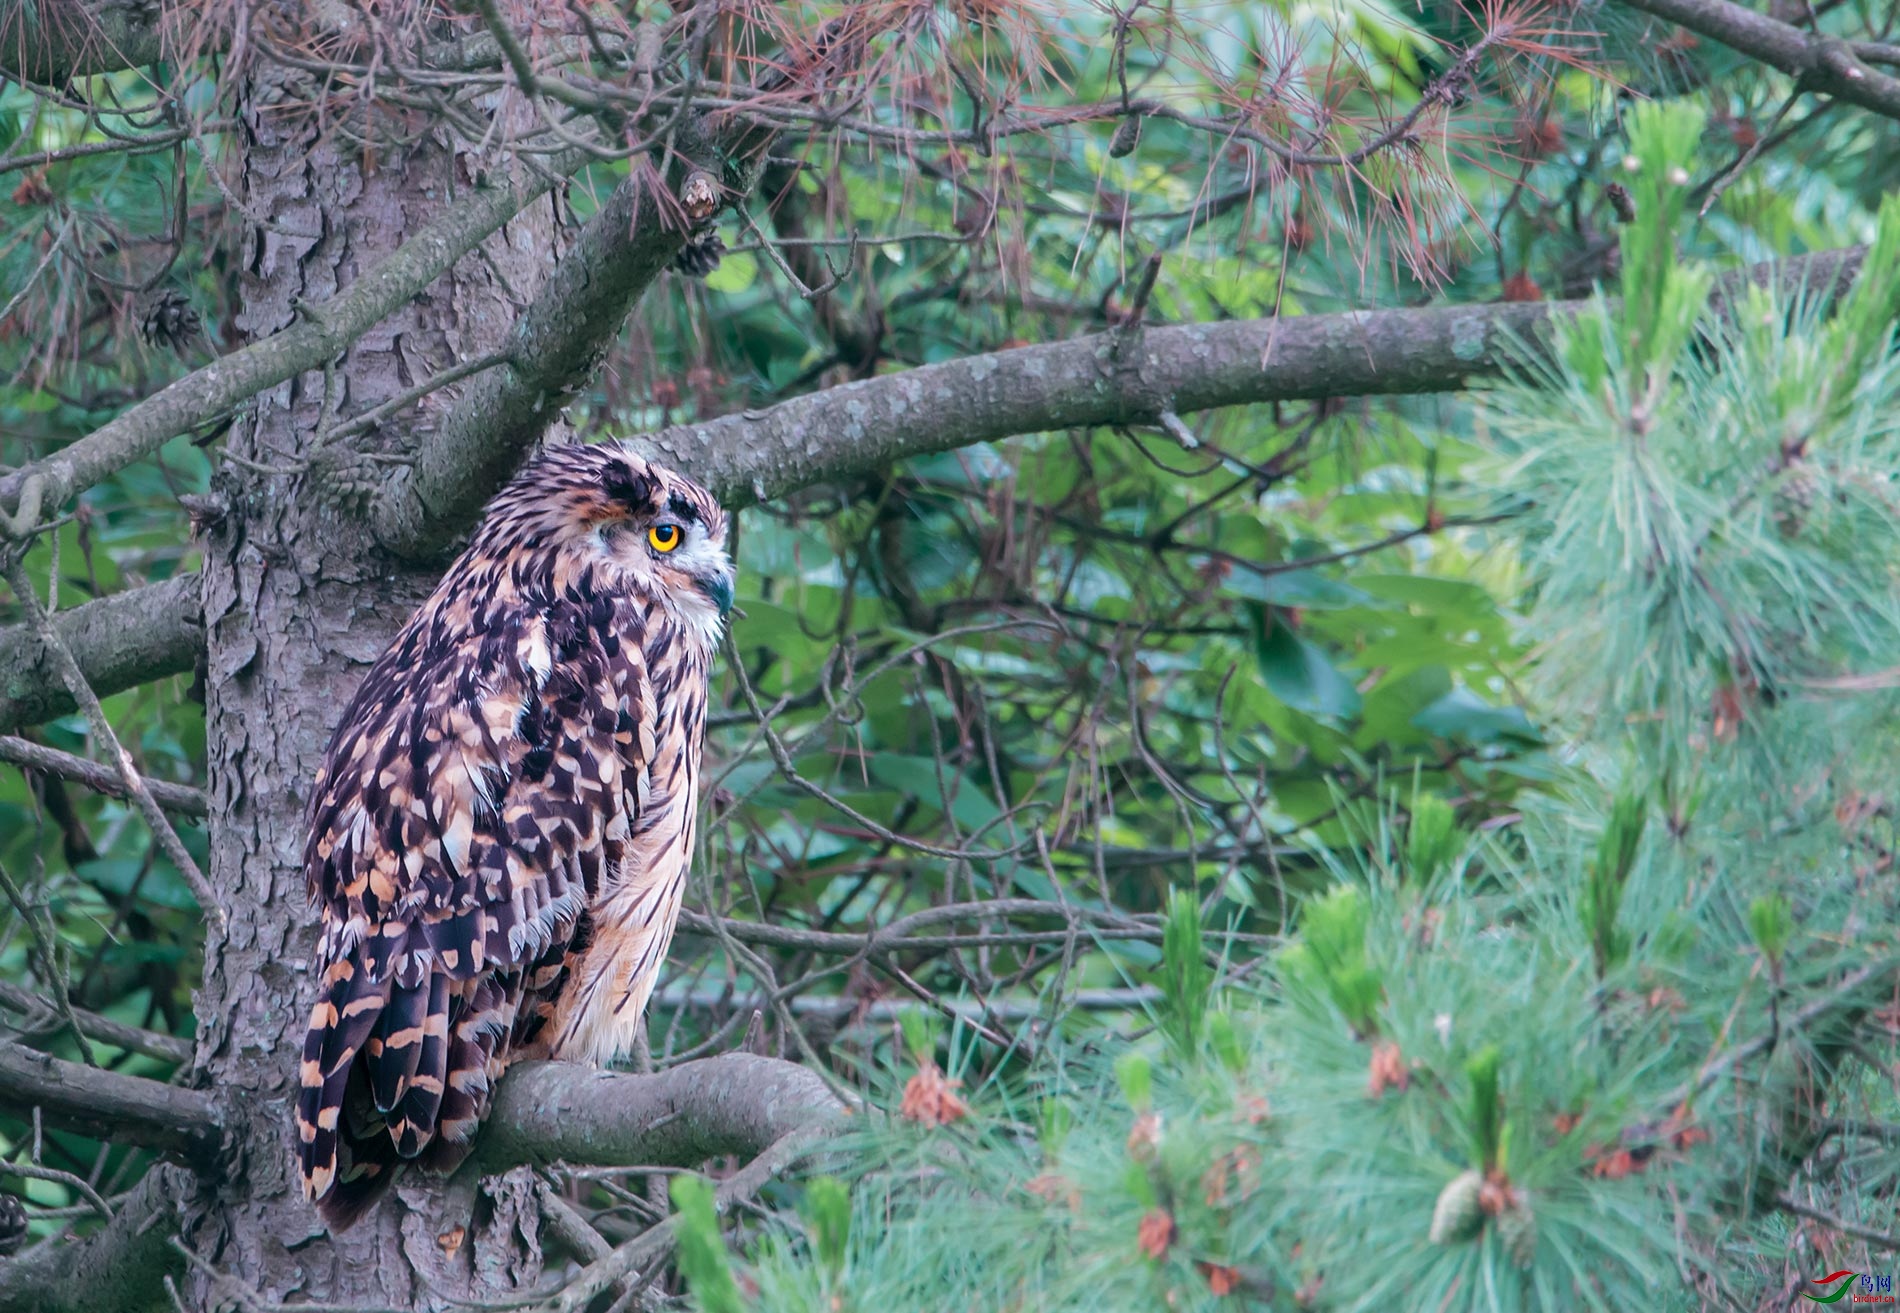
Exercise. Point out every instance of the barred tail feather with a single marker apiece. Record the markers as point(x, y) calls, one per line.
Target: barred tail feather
point(477, 1056)
point(367, 1163)
point(341, 1023)
point(421, 1051)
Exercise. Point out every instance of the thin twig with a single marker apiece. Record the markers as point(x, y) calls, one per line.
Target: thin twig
point(32, 1007)
point(75, 681)
point(651, 1246)
point(25, 753)
point(77, 1184)
point(1885, 1239)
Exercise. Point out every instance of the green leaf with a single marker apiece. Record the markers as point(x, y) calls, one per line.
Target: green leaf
point(828, 1217)
point(1136, 1076)
point(1455, 596)
point(1433, 839)
point(1481, 1069)
point(1303, 588)
point(1298, 673)
point(1771, 922)
point(1185, 976)
point(1462, 714)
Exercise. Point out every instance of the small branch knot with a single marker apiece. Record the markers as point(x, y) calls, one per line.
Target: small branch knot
point(699, 196)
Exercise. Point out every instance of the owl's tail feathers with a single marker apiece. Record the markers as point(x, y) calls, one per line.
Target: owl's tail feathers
point(367, 1163)
point(483, 1017)
point(344, 1168)
point(391, 1073)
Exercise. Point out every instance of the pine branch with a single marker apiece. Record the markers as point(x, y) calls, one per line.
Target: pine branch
point(107, 1105)
point(325, 332)
point(557, 341)
point(121, 641)
point(550, 355)
point(55, 41)
point(120, 1267)
point(1824, 65)
point(1115, 378)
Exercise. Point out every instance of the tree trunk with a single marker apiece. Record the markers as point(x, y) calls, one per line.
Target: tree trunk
point(297, 604)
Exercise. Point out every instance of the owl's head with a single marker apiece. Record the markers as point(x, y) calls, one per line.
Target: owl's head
point(649, 529)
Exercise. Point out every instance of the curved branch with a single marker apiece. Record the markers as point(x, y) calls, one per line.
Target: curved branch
point(108, 1105)
point(122, 1266)
point(557, 342)
point(551, 354)
point(324, 333)
point(120, 641)
point(739, 1104)
point(1123, 377)
point(1826, 65)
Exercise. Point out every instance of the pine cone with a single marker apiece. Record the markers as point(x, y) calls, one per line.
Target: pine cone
point(1795, 496)
point(1127, 137)
point(700, 255)
point(1621, 202)
point(1457, 1216)
point(1517, 1229)
point(12, 1224)
point(167, 319)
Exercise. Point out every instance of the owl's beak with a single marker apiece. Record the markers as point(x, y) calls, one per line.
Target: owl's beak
point(719, 589)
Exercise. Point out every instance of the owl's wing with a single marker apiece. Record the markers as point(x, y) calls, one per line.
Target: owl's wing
point(477, 789)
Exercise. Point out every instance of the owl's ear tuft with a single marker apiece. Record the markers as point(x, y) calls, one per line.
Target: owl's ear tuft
point(632, 487)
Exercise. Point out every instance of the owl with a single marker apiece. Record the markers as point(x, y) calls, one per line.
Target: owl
point(500, 833)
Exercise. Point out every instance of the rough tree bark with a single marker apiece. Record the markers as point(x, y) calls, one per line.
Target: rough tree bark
point(296, 602)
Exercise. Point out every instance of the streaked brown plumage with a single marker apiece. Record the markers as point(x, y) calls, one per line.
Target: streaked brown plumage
point(500, 834)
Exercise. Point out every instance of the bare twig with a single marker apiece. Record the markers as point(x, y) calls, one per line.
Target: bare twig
point(36, 1009)
point(181, 798)
point(75, 681)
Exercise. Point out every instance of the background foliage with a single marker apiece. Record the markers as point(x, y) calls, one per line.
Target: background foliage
point(1509, 770)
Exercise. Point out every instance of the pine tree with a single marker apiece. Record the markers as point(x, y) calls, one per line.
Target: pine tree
point(1595, 1059)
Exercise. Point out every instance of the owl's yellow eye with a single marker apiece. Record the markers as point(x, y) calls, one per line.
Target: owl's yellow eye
point(665, 537)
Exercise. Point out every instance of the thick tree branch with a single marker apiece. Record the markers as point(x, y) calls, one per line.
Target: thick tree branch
point(108, 1105)
point(120, 641)
point(740, 1103)
point(552, 352)
point(122, 1266)
point(1826, 65)
point(1120, 377)
point(325, 332)
point(54, 41)
point(844, 431)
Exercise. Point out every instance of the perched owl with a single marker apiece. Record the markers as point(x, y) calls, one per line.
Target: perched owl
point(501, 830)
